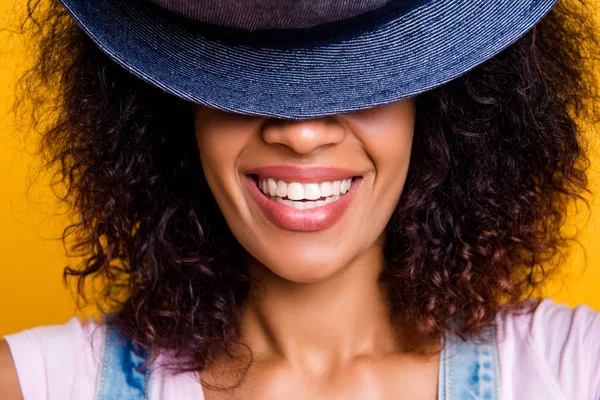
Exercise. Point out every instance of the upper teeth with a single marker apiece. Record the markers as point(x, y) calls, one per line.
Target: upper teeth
point(303, 191)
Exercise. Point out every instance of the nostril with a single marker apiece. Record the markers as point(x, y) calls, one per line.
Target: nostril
point(304, 136)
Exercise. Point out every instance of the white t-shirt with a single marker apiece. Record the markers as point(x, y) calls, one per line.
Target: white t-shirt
point(550, 354)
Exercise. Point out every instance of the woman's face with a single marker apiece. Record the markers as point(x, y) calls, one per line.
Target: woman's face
point(307, 198)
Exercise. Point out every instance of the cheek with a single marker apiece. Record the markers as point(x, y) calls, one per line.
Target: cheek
point(215, 155)
point(220, 143)
point(221, 136)
point(392, 158)
point(215, 159)
point(215, 144)
point(386, 133)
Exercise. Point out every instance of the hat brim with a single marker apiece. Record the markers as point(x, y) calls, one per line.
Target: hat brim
point(400, 57)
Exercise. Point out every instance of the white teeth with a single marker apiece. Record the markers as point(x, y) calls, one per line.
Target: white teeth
point(298, 205)
point(311, 193)
point(271, 185)
point(335, 188)
point(345, 186)
point(310, 204)
point(281, 189)
point(295, 191)
point(305, 205)
point(325, 189)
point(303, 191)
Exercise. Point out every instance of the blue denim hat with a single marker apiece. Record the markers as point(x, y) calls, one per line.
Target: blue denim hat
point(302, 58)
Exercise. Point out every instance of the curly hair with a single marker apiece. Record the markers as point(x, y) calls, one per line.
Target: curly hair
point(498, 157)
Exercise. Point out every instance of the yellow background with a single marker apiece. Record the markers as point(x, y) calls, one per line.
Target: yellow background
point(31, 289)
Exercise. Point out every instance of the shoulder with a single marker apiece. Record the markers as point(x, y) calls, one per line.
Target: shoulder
point(554, 345)
point(58, 361)
point(551, 327)
point(8, 375)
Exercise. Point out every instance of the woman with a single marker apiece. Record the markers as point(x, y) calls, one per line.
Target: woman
point(314, 200)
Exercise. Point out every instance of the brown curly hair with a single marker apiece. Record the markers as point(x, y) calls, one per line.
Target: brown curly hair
point(498, 157)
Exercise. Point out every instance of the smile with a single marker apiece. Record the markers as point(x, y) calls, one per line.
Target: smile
point(304, 196)
point(303, 199)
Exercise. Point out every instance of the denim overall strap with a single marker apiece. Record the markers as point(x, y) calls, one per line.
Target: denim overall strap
point(122, 376)
point(468, 370)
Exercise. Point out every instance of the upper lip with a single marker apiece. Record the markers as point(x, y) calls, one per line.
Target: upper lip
point(304, 174)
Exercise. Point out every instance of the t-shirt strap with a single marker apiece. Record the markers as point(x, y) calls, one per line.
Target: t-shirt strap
point(469, 370)
point(122, 374)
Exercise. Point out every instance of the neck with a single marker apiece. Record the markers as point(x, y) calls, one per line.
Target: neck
point(324, 323)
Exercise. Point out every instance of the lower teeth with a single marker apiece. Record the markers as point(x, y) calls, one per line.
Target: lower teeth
point(305, 205)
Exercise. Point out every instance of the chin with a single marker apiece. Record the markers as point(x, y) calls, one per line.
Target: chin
point(308, 268)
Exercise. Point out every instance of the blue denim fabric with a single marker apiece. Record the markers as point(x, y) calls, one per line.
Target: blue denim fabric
point(269, 14)
point(122, 376)
point(404, 48)
point(468, 371)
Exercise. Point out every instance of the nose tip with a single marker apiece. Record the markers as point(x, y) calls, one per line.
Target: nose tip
point(304, 136)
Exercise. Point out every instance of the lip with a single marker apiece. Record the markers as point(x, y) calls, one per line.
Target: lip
point(298, 174)
point(314, 219)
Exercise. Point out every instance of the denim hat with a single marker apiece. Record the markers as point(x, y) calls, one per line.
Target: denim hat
point(302, 58)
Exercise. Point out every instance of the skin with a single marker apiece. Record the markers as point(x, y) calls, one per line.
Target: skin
point(319, 325)
point(9, 382)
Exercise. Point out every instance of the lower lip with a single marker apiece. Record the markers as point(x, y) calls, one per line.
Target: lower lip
point(314, 219)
